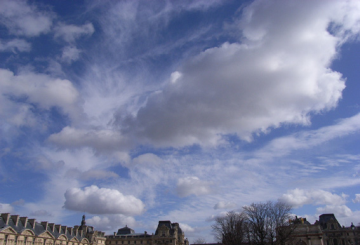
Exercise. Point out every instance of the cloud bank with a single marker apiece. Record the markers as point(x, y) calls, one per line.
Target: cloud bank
point(300, 197)
point(96, 200)
point(278, 74)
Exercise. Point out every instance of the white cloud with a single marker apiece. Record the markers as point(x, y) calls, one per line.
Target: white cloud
point(100, 140)
point(300, 197)
point(72, 32)
point(21, 18)
point(279, 74)
point(192, 186)
point(19, 202)
point(96, 200)
point(186, 228)
point(70, 54)
point(357, 198)
point(307, 139)
point(6, 208)
point(15, 45)
point(338, 210)
point(111, 223)
point(147, 159)
point(225, 205)
point(19, 93)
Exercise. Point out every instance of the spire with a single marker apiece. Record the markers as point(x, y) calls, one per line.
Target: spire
point(83, 222)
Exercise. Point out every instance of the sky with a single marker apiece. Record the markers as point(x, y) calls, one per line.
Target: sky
point(131, 112)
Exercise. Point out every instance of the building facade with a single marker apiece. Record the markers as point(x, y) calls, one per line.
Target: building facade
point(16, 230)
point(167, 233)
point(325, 231)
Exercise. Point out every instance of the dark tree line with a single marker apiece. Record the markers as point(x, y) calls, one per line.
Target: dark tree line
point(258, 224)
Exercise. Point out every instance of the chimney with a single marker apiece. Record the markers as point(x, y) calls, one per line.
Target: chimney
point(64, 228)
point(15, 219)
point(6, 217)
point(70, 231)
point(24, 221)
point(44, 224)
point(32, 223)
point(58, 228)
point(52, 227)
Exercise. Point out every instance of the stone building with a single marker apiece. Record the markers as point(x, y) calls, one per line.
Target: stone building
point(167, 233)
point(325, 231)
point(16, 230)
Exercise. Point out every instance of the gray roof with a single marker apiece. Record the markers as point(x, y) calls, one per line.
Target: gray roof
point(16, 223)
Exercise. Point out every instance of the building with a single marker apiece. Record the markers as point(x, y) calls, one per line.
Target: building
point(167, 233)
point(16, 230)
point(325, 231)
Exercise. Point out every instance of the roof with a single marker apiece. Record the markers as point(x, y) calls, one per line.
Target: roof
point(125, 231)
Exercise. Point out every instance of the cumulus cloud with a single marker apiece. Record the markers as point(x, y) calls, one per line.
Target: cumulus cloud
point(20, 92)
point(70, 33)
point(70, 54)
point(338, 210)
point(15, 45)
point(192, 186)
point(6, 208)
point(100, 140)
point(22, 18)
point(225, 205)
point(111, 223)
point(300, 197)
point(96, 200)
point(279, 73)
point(357, 198)
point(186, 227)
point(147, 159)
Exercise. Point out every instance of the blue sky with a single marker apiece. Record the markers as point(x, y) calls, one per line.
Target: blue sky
point(138, 111)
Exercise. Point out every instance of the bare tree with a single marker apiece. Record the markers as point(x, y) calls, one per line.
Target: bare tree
point(230, 229)
point(258, 224)
point(257, 221)
point(279, 222)
point(268, 222)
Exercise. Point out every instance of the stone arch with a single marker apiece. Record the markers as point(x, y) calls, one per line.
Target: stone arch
point(74, 239)
point(8, 230)
point(62, 237)
point(85, 241)
point(46, 235)
point(27, 232)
